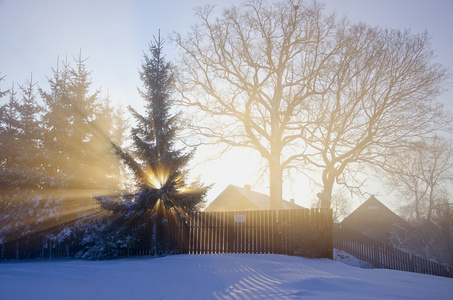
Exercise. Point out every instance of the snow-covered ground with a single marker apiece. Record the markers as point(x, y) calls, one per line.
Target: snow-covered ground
point(222, 276)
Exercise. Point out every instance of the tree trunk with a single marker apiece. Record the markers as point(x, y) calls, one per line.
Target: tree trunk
point(276, 183)
point(326, 196)
point(430, 204)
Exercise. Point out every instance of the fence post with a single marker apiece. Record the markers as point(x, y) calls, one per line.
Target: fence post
point(17, 249)
point(411, 263)
point(277, 238)
point(50, 250)
point(377, 260)
point(185, 235)
point(231, 233)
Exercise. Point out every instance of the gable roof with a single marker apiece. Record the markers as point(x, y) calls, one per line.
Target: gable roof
point(374, 209)
point(373, 218)
point(244, 199)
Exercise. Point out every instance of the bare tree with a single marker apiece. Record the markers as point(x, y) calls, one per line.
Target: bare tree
point(420, 176)
point(381, 97)
point(307, 90)
point(250, 72)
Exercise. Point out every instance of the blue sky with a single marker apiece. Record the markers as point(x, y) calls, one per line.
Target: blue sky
point(114, 34)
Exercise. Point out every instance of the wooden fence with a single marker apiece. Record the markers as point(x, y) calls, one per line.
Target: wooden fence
point(303, 232)
point(382, 255)
point(31, 247)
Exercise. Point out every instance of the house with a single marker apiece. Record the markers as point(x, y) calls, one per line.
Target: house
point(375, 220)
point(235, 198)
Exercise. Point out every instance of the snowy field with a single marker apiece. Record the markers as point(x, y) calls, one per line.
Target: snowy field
point(223, 276)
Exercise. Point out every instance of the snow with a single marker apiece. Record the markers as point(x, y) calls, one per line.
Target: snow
point(350, 260)
point(220, 276)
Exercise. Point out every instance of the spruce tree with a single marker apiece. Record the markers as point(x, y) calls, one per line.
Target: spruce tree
point(21, 173)
point(11, 178)
point(9, 133)
point(157, 165)
point(78, 160)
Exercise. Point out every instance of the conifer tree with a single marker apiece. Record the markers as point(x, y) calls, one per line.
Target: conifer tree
point(10, 177)
point(21, 173)
point(158, 167)
point(9, 132)
point(54, 158)
point(79, 162)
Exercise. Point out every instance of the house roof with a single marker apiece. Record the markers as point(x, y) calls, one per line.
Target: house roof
point(373, 218)
point(260, 201)
point(371, 208)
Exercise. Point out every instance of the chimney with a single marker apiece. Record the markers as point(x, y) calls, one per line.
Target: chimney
point(292, 200)
point(248, 187)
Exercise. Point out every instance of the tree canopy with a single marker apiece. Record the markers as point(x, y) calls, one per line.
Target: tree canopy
point(307, 90)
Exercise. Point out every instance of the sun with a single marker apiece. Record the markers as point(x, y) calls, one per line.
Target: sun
point(242, 166)
point(157, 178)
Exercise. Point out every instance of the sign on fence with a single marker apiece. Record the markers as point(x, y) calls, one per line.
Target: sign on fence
point(239, 218)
